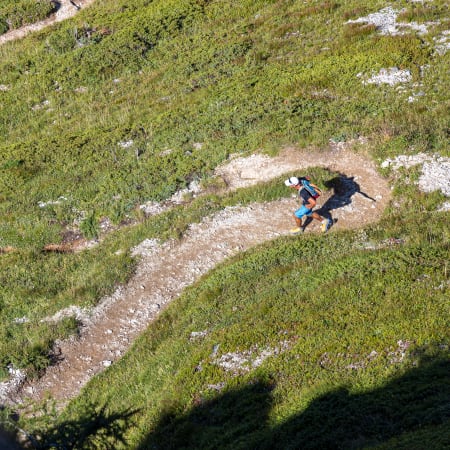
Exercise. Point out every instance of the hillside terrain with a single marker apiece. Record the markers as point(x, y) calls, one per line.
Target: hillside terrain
point(164, 271)
point(153, 296)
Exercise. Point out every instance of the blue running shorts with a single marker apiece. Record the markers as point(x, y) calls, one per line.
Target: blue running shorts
point(303, 211)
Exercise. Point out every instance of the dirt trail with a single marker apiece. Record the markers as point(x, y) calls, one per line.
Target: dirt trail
point(66, 9)
point(165, 270)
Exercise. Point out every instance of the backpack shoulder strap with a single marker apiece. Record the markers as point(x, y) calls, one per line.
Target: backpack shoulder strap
point(311, 188)
point(317, 189)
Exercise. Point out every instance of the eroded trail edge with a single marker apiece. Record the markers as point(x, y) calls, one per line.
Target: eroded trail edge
point(164, 270)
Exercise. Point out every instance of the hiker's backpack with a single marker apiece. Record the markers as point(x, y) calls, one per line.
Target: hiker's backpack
point(311, 188)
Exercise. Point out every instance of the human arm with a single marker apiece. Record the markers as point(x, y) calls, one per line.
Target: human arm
point(311, 203)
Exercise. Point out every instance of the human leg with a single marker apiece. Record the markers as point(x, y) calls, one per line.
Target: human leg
point(298, 216)
point(326, 223)
point(298, 221)
point(316, 216)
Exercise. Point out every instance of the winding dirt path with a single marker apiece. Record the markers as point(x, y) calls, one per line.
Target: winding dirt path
point(165, 270)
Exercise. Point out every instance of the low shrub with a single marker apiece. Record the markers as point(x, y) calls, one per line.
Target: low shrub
point(89, 226)
point(4, 27)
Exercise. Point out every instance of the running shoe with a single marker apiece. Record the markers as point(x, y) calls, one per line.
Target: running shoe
point(326, 224)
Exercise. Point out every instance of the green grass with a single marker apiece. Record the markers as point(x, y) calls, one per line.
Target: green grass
point(82, 279)
point(14, 14)
point(316, 296)
point(238, 77)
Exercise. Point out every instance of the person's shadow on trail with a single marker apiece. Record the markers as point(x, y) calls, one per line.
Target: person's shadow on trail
point(412, 411)
point(344, 188)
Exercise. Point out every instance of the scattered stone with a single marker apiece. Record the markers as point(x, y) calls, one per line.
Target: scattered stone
point(197, 335)
point(125, 144)
point(386, 23)
point(216, 387)
point(106, 225)
point(436, 176)
point(10, 387)
point(40, 105)
point(152, 208)
point(193, 189)
point(405, 161)
point(412, 98)
point(52, 202)
point(371, 245)
point(435, 170)
point(363, 363)
point(80, 314)
point(247, 360)
point(21, 320)
point(391, 76)
point(442, 43)
point(146, 248)
point(91, 244)
point(444, 207)
point(399, 354)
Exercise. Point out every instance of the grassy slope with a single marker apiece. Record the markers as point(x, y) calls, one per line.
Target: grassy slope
point(238, 77)
point(167, 75)
point(334, 320)
point(14, 14)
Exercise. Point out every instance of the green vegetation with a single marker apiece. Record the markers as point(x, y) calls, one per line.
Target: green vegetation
point(102, 112)
point(346, 349)
point(14, 14)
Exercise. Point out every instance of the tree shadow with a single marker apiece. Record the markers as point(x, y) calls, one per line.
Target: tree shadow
point(95, 429)
point(413, 409)
point(344, 188)
point(232, 420)
point(7, 441)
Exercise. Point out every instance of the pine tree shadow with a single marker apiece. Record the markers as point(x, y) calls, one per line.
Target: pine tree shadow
point(413, 409)
point(93, 430)
point(233, 420)
point(344, 188)
point(7, 441)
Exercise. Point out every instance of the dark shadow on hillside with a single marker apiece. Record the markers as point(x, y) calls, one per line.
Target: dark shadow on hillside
point(235, 420)
point(7, 441)
point(344, 188)
point(95, 429)
point(414, 408)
